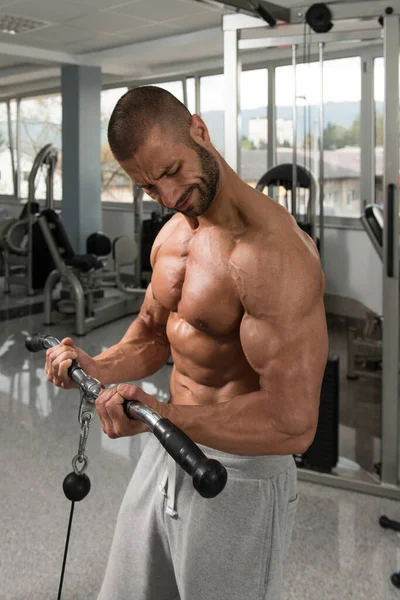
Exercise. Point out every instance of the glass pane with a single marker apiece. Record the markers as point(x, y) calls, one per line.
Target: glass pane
point(212, 98)
point(342, 103)
point(41, 123)
point(174, 87)
point(6, 174)
point(379, 92)
point(254, 124)
point(116, 186)
point(191, 94)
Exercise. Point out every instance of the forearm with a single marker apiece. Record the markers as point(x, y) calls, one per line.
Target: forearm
point(140, 353)
point(245, 425)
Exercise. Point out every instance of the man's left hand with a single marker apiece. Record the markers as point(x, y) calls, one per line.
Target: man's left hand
point(113, 420)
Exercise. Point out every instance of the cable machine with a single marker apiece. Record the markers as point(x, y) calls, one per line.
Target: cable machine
point(266, 25)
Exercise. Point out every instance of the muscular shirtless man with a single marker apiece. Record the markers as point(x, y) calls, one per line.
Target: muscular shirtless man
point(236, 298)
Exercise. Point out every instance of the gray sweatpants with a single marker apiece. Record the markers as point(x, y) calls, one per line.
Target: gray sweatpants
point(172, 544)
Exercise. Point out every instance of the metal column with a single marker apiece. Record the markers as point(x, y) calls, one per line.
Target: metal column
point(184, 91)
point(367, 127)
point(390, 377)
point(294, 118)
point(271, 119)
point(197, 107)
point(137, 232)
point(12, 149)
point(321, 157)
point(231, 83)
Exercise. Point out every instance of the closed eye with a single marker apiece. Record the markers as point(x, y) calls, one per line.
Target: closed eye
point(174, 172)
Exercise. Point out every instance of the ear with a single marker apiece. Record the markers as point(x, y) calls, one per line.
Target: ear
point(199, 131)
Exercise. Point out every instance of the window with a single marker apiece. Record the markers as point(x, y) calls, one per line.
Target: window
point(254, 124)
point(342, 103)
point(379, 97)
point(6, 172)
point(116, 186)
point(175, 87)
point(41, 123)
point(350, 197)
point(212, 104)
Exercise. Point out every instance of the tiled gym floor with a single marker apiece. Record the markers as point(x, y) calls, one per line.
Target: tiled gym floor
point(338, 550)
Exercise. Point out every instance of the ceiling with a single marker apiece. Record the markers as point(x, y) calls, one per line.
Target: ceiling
point(131, 40)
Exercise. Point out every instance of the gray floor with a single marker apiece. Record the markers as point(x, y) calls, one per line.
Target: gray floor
point(338, 551)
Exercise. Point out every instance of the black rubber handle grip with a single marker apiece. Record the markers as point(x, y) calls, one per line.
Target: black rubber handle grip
point(390, 243)
point(37, 342)
point(208, 475)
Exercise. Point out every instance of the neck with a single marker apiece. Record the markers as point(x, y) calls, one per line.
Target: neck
point(225, 210)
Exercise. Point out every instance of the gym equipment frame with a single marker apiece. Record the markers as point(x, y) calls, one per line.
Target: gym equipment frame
point(262, 27)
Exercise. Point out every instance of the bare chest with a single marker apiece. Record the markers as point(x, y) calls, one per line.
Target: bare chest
point(192, 278)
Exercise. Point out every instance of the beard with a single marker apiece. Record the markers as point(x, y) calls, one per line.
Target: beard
point(207, 188)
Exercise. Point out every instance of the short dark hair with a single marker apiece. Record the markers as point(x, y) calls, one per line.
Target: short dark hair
point(137, 112)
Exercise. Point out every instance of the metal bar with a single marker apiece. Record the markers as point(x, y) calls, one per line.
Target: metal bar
point(271, 156)
point(11, 148)
point(231, 115)
point(321, 157)
point(362, 9)
point(29, 280)
point(184, 88)
point(18, 147)
point(294, 118)
point(197, 95)
point(367, 127)
point(350, 482)
point(137, 224)
point(390, 377)
point(287, 40)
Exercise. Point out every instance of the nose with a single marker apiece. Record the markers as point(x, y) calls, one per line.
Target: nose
point(169, 193)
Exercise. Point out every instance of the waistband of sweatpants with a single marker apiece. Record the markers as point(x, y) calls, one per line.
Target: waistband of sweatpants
point(242, 466)
point(250, 467)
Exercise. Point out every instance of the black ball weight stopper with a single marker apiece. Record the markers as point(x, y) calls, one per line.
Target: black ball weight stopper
point(76, 487)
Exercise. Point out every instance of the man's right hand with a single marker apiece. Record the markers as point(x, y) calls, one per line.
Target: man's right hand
point(59, 359)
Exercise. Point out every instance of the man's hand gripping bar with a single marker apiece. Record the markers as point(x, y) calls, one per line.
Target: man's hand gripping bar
point(208, 475)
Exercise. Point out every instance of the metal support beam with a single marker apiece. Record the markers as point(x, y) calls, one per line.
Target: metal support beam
point(286, 40)
point(271, 119)
point(184, 91)
point(390, 378)
point(18, 147)
point(12, 148)
point(197, 107)
point(32, 53)
point(321, 158)
point(361, 9)
point(232, 95)
point(294, 119)
point(367, 127)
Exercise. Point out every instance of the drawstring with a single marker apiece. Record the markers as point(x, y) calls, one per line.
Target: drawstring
point(168, 486)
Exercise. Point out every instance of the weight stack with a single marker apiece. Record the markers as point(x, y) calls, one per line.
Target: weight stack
point(323, 454)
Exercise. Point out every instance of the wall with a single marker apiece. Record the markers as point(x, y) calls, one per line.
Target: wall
point(352, 267)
